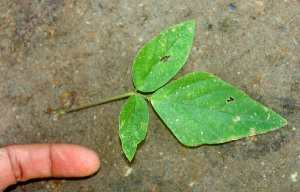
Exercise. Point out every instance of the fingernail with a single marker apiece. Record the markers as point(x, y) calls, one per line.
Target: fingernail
point(3, 151)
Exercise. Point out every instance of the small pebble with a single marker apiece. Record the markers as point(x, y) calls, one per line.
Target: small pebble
point(232, 6)
point(67, 99)
point(294, 176)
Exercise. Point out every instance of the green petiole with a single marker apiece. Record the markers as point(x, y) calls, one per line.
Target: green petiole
point(107, 100)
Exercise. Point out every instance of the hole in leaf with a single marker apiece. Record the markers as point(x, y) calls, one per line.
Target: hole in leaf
point(186, 102)
point(231, 99)
point(165, 59)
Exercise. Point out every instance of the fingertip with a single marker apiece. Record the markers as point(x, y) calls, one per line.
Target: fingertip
point(24, 162)
point(91, 161)
point(70, 160)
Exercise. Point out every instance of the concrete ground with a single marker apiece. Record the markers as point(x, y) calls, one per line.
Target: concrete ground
point(49, 47)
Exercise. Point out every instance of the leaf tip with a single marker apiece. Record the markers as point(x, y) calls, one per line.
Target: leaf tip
point(192, 22)
point(285, 122)
point(129, 154)
point(129, 158)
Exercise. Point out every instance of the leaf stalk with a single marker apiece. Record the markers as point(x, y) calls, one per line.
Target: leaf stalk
point(107, 100)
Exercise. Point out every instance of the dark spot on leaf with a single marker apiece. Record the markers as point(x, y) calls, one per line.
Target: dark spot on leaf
point(176, 93)
point(231, 99)
point(165, 59)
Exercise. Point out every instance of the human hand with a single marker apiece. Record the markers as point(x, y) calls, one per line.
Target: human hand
point(24, 162)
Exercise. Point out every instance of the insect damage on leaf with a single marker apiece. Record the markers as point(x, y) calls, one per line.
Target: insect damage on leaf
point(231, 99)
point(165, 59)
point(198, 108)
point(161, 59)
point(201, 113)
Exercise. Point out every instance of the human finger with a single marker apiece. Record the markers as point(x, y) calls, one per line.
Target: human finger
point(30, 161)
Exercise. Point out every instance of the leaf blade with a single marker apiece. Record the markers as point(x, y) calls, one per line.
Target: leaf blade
point(161, 59)
point(200, 109)
point(133, 124)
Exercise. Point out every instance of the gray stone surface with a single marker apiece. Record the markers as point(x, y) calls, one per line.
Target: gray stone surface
point(49, 47)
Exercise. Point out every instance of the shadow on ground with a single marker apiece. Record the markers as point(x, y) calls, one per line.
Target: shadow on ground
point(51, 47)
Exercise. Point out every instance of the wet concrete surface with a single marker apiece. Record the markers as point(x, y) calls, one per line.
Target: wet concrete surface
point(49, 47)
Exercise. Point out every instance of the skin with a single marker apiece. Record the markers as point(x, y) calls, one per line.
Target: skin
point(20, 163)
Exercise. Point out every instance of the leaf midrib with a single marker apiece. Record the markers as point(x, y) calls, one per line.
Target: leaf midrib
point(204, 109)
